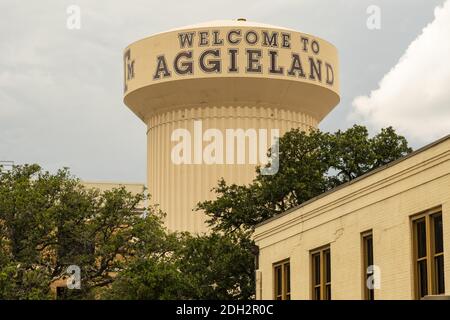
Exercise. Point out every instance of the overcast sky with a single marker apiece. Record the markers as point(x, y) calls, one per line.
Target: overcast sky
point(61, 90)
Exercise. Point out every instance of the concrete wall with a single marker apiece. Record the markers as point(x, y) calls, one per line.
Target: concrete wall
point(178, 188)
point(133, 188)
point(383, 201)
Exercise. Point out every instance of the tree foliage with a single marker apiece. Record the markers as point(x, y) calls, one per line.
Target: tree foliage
point(309, 165)
point(198, 267)
point(51, 221)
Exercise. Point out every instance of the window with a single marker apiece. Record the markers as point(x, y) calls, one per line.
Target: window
point(367, 255)
point(61, 293)
point(321, 274)
point(428, 254)
point(282, 280)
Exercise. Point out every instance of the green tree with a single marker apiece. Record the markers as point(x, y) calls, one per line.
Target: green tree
point(196, 267)
point(309, 165)
point(50, 221)
point(216, 265)
point(152, 276)
point(354, 153)
point(19, 282)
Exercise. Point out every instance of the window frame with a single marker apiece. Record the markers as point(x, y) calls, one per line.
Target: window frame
point(368, 294)
point(285, 268)
point(323, 283)
point(430, 255)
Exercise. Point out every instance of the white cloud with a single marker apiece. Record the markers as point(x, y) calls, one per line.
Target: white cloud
point(414, 96)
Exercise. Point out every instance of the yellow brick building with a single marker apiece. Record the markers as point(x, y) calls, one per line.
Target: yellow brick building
point(396, 218)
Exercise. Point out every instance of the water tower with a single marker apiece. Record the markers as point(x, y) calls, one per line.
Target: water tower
point(217, 77)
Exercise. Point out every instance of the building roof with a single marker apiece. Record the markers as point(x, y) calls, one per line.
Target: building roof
point(364, 176)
